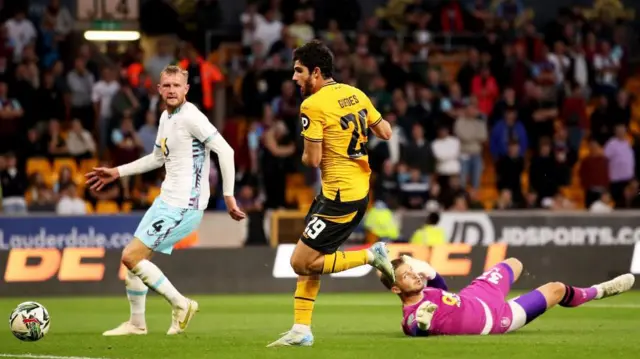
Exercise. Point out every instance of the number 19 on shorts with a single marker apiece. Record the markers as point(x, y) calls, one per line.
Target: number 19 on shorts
point(315, 226)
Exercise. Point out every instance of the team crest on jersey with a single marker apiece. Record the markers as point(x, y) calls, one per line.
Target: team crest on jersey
point(505, 322)
point(164, 147)
point(305, 121)
point(451, 299)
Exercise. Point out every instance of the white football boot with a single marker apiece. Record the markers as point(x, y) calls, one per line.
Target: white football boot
point(182, 316)
point(617, 285)
point(125, 328)
point(293, 338)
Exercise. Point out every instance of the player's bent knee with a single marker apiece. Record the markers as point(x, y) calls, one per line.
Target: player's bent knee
point(134, 252)
point(516, 266)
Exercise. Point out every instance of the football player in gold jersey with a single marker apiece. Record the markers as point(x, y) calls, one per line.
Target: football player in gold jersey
point(336, 119)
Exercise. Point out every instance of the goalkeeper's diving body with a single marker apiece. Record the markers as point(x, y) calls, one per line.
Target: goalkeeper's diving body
point(481, 308)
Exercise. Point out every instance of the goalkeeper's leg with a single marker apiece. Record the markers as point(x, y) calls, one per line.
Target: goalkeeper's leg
point(529, 306)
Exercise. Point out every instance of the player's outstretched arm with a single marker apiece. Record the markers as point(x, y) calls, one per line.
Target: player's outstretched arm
point(102, 176)
point(382, 129)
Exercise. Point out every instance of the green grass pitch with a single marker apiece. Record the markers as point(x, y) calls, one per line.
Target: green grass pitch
point(349, 326)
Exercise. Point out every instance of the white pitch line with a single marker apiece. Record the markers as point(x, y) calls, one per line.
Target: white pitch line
point(36, 356)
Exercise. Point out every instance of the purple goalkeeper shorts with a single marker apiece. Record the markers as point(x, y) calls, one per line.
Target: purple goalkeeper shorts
point(491, 288)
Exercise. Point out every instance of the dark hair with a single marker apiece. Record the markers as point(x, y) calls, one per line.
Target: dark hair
point(433, 218)
point(315, 54)
point(386, 280)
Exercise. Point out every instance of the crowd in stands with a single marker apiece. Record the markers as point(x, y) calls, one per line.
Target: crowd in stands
point(488, 111)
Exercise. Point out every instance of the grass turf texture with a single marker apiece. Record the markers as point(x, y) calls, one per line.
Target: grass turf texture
point(345, 326)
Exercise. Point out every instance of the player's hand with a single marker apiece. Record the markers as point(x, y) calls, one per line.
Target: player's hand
point(424, 315)
point(233, 209)
point(101, 176)
point(419, 266)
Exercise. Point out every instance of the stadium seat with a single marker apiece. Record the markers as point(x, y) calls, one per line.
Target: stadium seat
point(88, 164)
point(38, 164)
point(59, 163)
point(127, 206)
point(107, 207)
point(89, 207)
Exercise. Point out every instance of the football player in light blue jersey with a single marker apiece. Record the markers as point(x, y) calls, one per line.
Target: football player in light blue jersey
point(183, 144)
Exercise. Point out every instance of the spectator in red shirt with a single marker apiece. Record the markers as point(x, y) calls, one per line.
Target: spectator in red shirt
point(485, 88)
point(594, 173)
point(574, 115)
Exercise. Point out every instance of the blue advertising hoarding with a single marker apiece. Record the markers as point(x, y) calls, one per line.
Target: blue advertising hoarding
point(111, 232)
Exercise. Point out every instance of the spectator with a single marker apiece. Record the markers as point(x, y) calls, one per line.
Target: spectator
point(300, 29)
point(386, 183)
point(471, 129)
point(268, 31)
point(621, 162)
point(509, 171)
point(560, 62)
point(34, 147)
point(80, 82)
point(148, 133)
point(620, 112)
point(69, 203)
point(505, 201)
point(594, 174)
point(417, 153)
point(539, 114)
point(391, 149)
point(13, 182)
point(630, 198)
point(127, 144)
point(102, 93)
point(485, 88)
point(43, 201)
point(574, 115)
point(507, 101)
point(606, 66)
point(124, 100)
point(542, 171)
point(65, 178)
point(161, 59)
point(277, 148)
point(53, 140)
point(602, 204)
point(508, 130)
point(415, 191)
point(50, 100)
point(251, 203)
point(446, 150)
point(21, 33)
point(430, 234)
point(558, 203)
point(468, 71)
point(80, 143)
point(601, 129)
point(11, 113)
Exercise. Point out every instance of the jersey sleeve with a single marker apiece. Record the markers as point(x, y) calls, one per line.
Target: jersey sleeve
point(200, 127)
point(312, 122)
point(373, 115)
point(410, 326)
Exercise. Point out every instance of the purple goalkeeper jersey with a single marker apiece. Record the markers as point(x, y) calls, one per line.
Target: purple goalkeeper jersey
point(457, 314)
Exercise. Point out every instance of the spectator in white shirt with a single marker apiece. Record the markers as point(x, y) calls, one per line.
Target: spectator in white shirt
point(606, 66)
point(446, 150)
point(268, 31)
point(101, 95)
point(70, 203)
point(250, 19)
point(80, 142)
point(602, 205)
point(560, 61)
point(21, 32)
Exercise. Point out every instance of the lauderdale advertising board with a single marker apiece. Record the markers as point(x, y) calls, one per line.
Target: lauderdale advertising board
point(96, 271)
point(111, 232)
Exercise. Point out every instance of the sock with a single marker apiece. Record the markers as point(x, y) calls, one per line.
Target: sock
point(303, 302)
point(534, 304)
point(437, 282)
point(575, 297)
point(137, 295)
point(341, 261)
point(153, 277)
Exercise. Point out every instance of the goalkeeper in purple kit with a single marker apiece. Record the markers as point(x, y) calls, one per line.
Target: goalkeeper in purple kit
point(481, 308)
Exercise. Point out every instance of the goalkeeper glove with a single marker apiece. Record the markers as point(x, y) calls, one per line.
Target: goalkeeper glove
point(424, 315)
point(420, 267)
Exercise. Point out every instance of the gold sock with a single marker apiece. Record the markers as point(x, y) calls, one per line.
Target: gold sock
point(341, 261)
point(304, 299)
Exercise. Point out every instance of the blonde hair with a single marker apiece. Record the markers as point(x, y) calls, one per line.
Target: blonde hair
point(173, 70)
